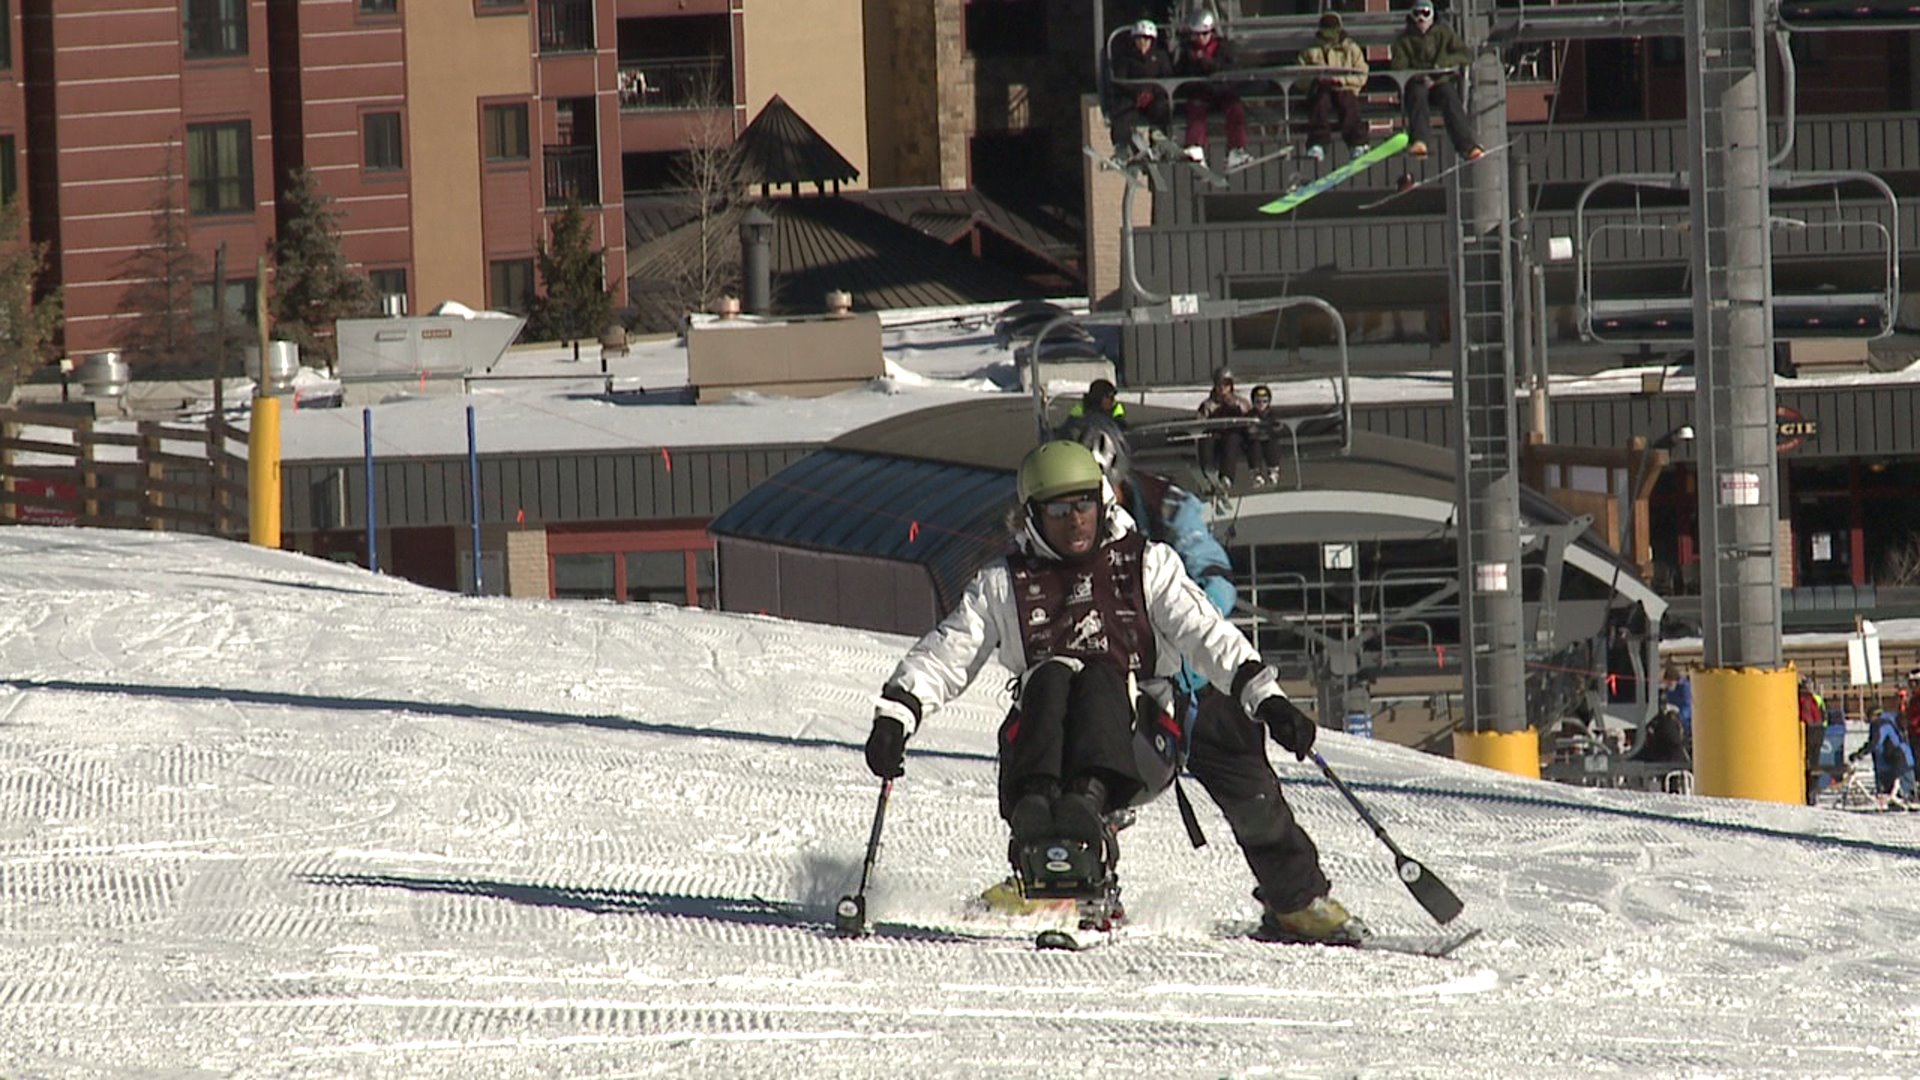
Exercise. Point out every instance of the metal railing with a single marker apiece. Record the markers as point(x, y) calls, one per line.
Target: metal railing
point(572, 175)
point(685, 83)
point(566, 25)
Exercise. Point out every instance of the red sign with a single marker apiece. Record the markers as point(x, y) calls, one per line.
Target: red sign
point(46, 515)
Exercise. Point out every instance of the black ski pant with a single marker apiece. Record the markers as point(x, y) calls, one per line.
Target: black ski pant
point(1068, 724)
point(1446, 97)
point(1229, 758)
point(1227, 452)
point(1325, 102)
point(1127, 116)
point(1261, 452)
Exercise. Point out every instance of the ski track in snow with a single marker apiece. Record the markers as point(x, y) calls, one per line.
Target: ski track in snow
point(262, 816)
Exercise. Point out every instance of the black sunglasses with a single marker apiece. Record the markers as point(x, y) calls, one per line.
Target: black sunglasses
point(1060, 508)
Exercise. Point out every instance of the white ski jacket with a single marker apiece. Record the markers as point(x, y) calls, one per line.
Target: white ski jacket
point(1185, 624)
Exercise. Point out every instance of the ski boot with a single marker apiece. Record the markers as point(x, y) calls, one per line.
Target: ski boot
point(1076, 860)
point(1323, 921)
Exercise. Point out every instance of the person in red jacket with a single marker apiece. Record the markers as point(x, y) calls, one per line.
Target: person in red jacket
point(1910, 710)
point(1206, 53)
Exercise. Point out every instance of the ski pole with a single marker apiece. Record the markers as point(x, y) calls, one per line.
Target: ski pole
point(850, 915)
point(1430, 891)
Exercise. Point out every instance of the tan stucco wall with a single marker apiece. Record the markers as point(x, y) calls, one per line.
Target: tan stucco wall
point(813, 54)
point(454, 58)
point(527, 564)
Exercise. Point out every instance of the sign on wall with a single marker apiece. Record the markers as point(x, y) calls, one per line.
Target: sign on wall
point(1790, 429)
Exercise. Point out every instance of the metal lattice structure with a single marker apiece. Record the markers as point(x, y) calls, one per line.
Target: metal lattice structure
point(1478, 209)
point(1733, 333)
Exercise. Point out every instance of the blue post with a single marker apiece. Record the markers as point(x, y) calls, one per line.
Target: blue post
point(473, 486)
point(373, 548)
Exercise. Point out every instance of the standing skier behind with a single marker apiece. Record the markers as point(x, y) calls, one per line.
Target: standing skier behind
point(1095, 620)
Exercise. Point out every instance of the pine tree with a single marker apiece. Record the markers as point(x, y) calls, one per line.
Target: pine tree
point(574, 301)
point(27, 323)
point(312, 283)
point(159, 296)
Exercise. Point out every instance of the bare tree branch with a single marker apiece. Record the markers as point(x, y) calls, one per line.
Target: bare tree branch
point(709, 172)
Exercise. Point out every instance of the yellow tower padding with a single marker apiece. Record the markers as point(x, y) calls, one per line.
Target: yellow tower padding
point(1516, 752)
point(1747, 739)
point(263, 472)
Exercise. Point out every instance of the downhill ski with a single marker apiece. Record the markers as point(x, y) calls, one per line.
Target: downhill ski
point(1408, 185)
point(1293, 199)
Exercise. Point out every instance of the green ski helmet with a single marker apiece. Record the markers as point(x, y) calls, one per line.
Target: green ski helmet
point(1057, 468)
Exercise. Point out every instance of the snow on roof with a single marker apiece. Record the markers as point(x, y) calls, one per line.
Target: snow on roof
point(540, 399)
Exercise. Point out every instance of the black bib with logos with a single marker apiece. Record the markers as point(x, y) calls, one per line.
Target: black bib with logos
point(1093, 610)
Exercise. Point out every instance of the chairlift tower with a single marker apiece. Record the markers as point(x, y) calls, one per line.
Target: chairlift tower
point(1733, 333)
point(1746, 738)
point(1479, 207)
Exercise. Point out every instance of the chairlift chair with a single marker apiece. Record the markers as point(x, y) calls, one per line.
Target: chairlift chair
point(1643, 320)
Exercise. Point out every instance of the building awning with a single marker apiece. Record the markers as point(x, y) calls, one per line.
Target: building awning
point(948, 518)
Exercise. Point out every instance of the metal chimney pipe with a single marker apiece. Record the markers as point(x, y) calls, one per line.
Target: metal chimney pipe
point(756, 261)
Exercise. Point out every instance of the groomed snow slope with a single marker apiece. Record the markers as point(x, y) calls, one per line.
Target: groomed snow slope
point(265, 816)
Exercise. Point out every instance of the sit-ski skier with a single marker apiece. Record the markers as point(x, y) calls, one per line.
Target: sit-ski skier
point(1095, 620)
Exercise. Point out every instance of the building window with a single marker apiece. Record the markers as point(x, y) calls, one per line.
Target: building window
point(658, 564)
point(566, 25)
point(583, 577)
point(219, 168)
point(1006, 28)
point(506, 132)
point(216, 28)
point(380, 141)
point(6, 34)
point(390, 285)
point(510, 285)
point(379, 7)
point(9, 179)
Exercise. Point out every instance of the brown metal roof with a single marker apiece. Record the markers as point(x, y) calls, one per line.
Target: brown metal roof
point(825, 244)
point(650, 217)
point(949, 216)
point(781, 148)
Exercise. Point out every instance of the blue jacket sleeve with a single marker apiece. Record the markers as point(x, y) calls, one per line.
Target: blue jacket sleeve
point(1203, 556)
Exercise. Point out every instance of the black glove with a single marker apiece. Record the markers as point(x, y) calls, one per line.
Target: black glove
point(1291, 728)
point(887, 748)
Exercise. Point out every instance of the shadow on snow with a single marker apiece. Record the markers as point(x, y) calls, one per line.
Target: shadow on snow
point(621, 723)
point(738, 910)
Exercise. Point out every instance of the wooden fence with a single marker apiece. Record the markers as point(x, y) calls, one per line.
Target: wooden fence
point(59, 468)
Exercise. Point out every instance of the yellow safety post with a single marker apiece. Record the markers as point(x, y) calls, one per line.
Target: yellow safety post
point(1747, 738)
point(1516, 752)
point(263, 439)
point(263, 473)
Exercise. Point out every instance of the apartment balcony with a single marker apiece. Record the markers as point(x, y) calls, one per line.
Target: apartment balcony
point(698, 82)
point(572, 175)
point(566, 26)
